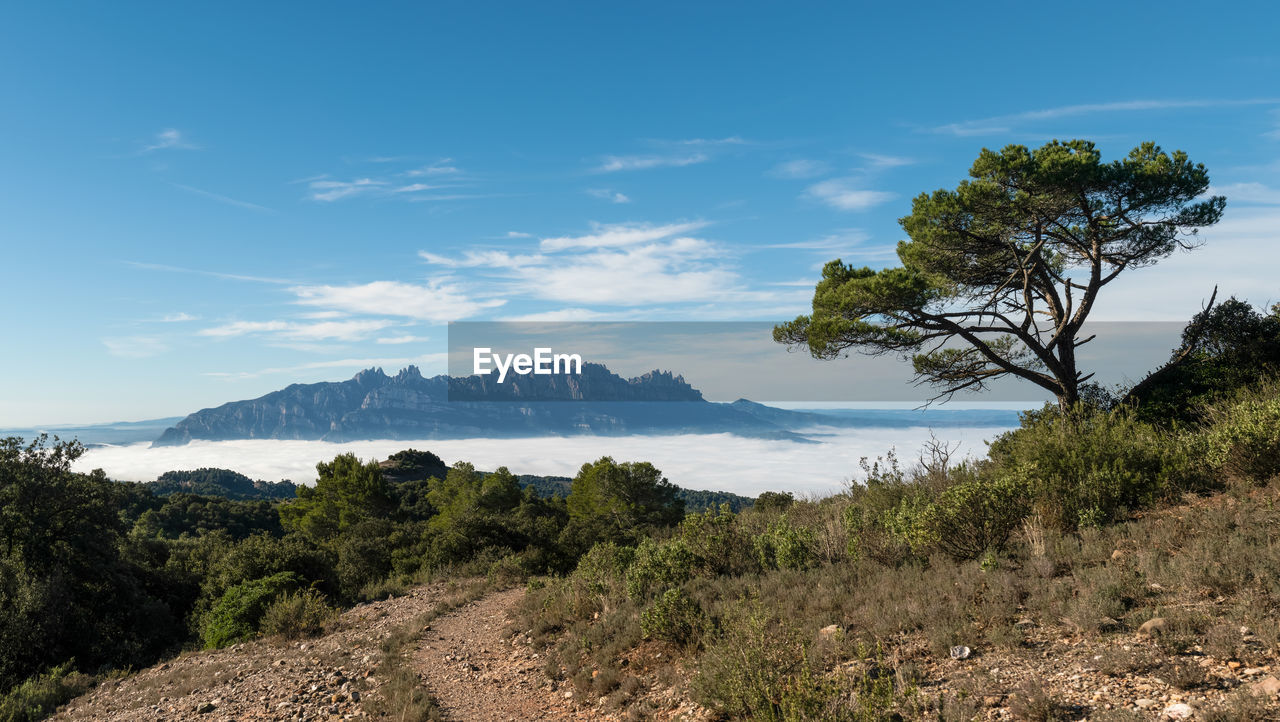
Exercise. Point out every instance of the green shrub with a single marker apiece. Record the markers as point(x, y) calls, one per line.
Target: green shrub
point(39, 696)
point(603, 566)
point(747, 667)
point(1091, 467)
point(294, 615)
point(978, 513)
point(673, 617)
point(658, 567)
point(715, 538)
point(1243, 438)
point(236, 615)
point(785, 546)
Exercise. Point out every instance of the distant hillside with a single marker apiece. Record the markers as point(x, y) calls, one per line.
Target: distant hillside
point(220, 482)
point(372, 405)
point(695, 500)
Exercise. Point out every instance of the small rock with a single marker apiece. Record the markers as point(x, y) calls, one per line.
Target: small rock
point(1178, 711)
point(960, 652)
point(1153, 626)
point(829, 631)
point(1233, 665)
point(1144, 703)
point(1252, 672)
point(1268, 687)
point(205, 708)
point(1117, 555)
point(568, 695)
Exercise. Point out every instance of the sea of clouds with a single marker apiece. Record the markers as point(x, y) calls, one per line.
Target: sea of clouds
point(722, 462)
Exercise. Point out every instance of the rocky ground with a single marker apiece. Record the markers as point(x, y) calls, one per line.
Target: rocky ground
point(476, 669)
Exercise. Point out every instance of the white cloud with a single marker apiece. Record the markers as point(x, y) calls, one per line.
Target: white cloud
point(649, 274)
point(608, 195)
point(444, 166)
point(615, 163)
point(620, 234)
point(397, 340)
point(712, 142)
point(178, 317)
point(169, 139)
point(318, 331)
point(481, 259)
point(332, 190)
point(518, 234)
point(134, 346)
point(1004, 123)
point(886, 161)
point(694, 461)
point(435, 301)
point(843, 194)
point(801, 168)
point(1247, 193)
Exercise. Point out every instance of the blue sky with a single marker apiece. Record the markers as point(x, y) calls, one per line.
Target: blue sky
point(205, 203)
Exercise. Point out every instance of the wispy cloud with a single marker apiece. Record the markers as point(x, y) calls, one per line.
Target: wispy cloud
point(878, 161)
point(180, 317)
point(328, 190)
point(211, 274)
point(436, 301)
point(620, 234)
point(134, 346)
point(444, 166)
point(1247, 193)
point(223, 199)
point(615, 163)
point(845, 195)
point(397, 340)
point(606, 194)
point(352, 330)
point(801, 168)
point(1005, 123)
point(706, 142)
point(518, 234)
point(168, 139)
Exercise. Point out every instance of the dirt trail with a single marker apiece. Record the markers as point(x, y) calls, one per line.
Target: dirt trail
point(463, 659)
point(476, 672)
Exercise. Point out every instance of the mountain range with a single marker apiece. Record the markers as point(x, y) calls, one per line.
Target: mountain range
point(373, 405)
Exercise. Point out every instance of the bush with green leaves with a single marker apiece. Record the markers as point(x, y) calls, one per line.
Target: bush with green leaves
point(297, 614)
point(39, 696)
point(1092, 467)
point(977, 513)
point(237, 614)
point(717, 540)
point(785, 546)
point(1243, 436)
point(603, 566)
point(659, 566)
point(673, 617)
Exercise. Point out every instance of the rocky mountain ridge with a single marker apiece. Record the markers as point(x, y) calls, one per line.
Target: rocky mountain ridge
point(408, 405)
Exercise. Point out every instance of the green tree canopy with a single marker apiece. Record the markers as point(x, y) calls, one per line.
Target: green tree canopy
point(620, 502)
point(346, 493)
point(1000, 274)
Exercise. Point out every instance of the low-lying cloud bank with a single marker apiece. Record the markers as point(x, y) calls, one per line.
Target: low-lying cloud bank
point(696, 461)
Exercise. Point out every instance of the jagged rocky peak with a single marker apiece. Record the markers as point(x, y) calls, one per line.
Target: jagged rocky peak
point(408, 373)
point(370, 376)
